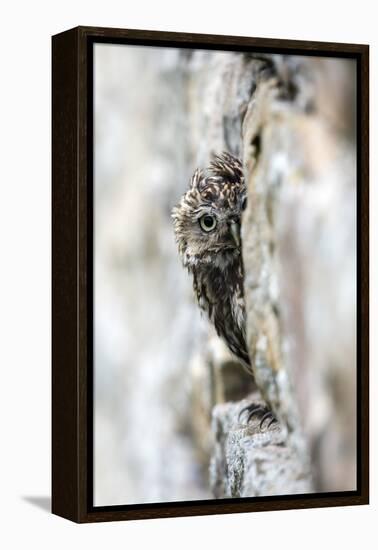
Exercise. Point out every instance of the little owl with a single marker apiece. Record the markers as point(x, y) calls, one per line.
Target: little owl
point(207, 227)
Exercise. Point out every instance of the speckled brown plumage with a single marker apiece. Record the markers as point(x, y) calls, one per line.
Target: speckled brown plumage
point(207, 227)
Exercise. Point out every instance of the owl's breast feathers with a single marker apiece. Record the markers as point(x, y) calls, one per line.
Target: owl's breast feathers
point(220, 294)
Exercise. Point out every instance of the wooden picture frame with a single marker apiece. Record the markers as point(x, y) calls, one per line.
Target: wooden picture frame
point(72, 288)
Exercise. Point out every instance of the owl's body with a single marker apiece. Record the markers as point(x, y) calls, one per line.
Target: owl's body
point(207, 226)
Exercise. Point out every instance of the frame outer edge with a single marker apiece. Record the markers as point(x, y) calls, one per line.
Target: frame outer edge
point(314, 47)
point(84, 259)
point(65, 429)
point(72, 220)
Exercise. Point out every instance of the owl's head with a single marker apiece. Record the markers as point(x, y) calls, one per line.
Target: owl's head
point(207, 220)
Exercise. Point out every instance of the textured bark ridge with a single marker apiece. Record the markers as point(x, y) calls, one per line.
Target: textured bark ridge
point(257, 100)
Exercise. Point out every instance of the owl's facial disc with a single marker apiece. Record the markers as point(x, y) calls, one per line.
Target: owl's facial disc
point(219, 232)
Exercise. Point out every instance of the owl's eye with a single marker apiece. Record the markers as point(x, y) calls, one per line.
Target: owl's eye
point(207, 222)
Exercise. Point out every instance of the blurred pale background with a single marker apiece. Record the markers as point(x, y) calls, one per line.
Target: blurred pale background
point(146, 325)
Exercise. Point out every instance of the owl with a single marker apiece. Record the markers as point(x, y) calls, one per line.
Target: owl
point(207, 227)
point(207, 224)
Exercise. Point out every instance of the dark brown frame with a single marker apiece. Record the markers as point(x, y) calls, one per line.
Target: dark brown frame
point(72, 437)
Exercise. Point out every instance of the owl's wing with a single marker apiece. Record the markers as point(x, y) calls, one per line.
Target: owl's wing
point(232, 333)
point(224, 304)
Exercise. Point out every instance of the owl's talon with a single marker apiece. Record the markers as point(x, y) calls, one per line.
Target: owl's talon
point(273, 420)
point(261, 410)
point(252, 410)
point(267, 415)
point(255, 411)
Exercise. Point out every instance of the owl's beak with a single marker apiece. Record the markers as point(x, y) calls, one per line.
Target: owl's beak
point(235, 233)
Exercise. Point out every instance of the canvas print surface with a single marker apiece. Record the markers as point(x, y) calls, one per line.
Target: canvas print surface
point(224, 274)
